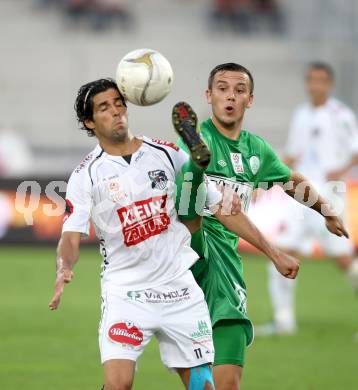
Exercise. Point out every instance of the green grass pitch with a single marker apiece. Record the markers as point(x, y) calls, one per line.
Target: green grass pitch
point(43, 350)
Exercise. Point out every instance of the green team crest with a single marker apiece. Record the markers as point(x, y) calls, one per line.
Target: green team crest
point(254, 162)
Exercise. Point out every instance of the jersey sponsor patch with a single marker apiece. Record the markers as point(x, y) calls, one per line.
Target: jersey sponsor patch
point(236, 160)
point(158, 178)
point(115, 190)
point(243, 189)
point(165, 143)
point(143, 219)
point(125, 333)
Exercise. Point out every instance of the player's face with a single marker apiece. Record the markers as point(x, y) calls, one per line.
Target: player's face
point(230, 96)
point(110, 118)
point(318, 85)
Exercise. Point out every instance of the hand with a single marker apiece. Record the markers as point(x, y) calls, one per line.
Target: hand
point(231, 203)
point(63, 276)
point(286, 265)
point(335, 225)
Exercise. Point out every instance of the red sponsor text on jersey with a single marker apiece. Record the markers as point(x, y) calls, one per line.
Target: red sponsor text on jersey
point(121, 333)
point(165, 143)
point(144, 219)
point(83, 163)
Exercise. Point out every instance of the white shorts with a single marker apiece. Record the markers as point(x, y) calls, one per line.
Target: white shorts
point(301, 228)
point(176, 313)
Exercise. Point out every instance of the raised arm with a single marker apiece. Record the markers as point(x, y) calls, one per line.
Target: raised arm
point(68, 251)
point(241, 225)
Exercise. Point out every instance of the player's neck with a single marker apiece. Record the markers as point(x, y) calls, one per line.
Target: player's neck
point(125, 148)
point(232, 133)
point(318, 102)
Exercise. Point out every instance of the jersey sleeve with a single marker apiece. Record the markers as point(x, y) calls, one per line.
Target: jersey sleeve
point(295, 140)
point(78, 204)
point(352, 129)
point(272, 170)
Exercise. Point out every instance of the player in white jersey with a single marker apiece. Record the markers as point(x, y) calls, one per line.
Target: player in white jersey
point(126, 186)
point(323, 146)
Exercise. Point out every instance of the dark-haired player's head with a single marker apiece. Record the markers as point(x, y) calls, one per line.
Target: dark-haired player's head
point(230, 93)
point(84, 104)
point(319, 82)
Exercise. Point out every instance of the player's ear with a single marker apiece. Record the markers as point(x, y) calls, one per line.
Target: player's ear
point(208, 95)
point(89, 123)
point(250, 102)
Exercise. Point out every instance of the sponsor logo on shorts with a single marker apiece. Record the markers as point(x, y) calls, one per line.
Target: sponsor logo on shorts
point(159, 297)
point(202, 337)
point(125, 333)
point(144, 219)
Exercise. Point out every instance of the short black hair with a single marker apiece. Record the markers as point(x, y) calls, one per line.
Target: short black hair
point(84, 100)
point(230, 66)
point(320, 65)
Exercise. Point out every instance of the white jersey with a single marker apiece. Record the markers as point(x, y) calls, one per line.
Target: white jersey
point(323, 139)
point(142, 241)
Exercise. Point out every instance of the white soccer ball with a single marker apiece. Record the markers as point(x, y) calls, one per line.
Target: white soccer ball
point(144, 77)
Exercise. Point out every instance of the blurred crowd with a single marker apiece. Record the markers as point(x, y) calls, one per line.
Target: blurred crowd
point(248, 16)
point(96, 14)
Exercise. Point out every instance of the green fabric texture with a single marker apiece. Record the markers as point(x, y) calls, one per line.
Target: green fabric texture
point(191, 191)
point(232, 352)
point(243, 164)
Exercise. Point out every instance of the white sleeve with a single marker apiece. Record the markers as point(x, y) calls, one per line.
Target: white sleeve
point(78, 203)
point(295, 139)
point(352, 136)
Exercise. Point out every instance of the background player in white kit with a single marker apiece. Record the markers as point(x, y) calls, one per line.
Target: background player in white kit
point(323, 146)
point(126, 186)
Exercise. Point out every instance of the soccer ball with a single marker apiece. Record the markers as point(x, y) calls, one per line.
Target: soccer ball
point(144, 77)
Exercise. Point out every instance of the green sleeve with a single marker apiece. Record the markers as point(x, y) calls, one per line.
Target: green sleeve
point(272, 170)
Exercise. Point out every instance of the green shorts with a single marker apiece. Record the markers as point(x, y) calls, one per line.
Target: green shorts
point(230, 342)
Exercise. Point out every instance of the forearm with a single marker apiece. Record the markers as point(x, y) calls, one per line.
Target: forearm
point(300, 189)
point(68, 251)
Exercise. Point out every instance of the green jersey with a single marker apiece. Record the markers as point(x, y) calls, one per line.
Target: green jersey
point(243, 164)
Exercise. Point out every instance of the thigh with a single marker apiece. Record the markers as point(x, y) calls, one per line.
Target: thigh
point(125, 329)
point(185, 335)
point(118, 374)
point(230, 342)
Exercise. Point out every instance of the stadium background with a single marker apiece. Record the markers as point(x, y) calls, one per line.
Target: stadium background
point(47, 52)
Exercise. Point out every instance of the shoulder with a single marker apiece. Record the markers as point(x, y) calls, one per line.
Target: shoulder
point(82, 172)
point(301, 111)
point(86, 162)
point(161, 144)
point(337, 107)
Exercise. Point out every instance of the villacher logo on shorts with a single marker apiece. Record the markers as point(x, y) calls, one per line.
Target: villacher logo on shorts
point(144, 219)
point(125, 333)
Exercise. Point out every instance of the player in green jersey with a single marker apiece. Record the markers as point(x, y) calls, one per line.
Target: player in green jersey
point(244, 162)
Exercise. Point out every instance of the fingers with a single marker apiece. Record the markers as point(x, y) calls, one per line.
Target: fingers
point(63, 277)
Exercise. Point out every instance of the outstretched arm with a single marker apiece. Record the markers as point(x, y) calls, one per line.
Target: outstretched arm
point(303, 191)
point(241, 225)
point(68, 251)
